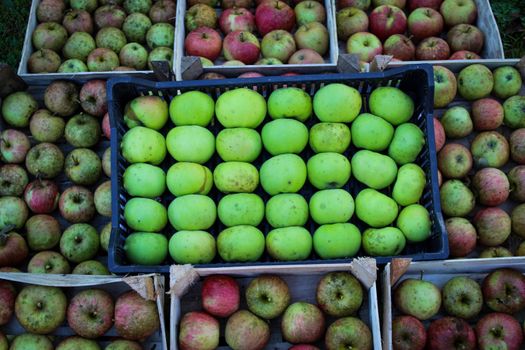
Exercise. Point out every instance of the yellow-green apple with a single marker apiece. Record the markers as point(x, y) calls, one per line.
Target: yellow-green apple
point(491, 186)
point(206, 62)
point(270, 61)
point(290, 102)
point(487, 114)
point(313, 35)
point(375, 208)
point(241, 209)
point(364, 44)
point(274, 14)
point(192, 108)
point(514, 109)
point(457, 122)
point(82, 130)
point(408, 333)
point(134, 55)
point(111, 38)
point(235, 177)
point(424, 22)
point(49, 35)
point(432, 48)
point(13, 180)
point(406, 144)
point(239, 144)
point(106, 162)
point(498, 329)
point(61, 97)
point(78, 21)
point(306, 56)
point(400, 47)
point(220, 295)
point(414, 222)
point(278, 44)
point(451, 333)
point(192, 212)
point(226, 4)
point(45, 160)
point(267, 296)
point(289, 243)
point(456, 198)
point(88, 5)
point(493, 226)
point(160, 35)
point(190, 143)
point(135, 26)
point(387, 20)
point(518, 220)
point(348, 330)
point(200, 15)
point(371, 132)
point(163, 11)
point(79, 45)
point(188, 178)
point(350, 20)
point(41, 196)
point(302, 322)
point(387, 241)
point(360, 4)
point(50, 11)
point(79, 242)
point(418, 298)
point(43, 61)
point(465, 37)
point(454, 161)
point(233, 63)
point(241, 243)
point(14, 146)
point(373, 169)
point(334, 241)
point(236, 19)
point(135, 317)
point(240, 108)
point(517, 146)
point(148, 111)
point(462, 297)
point(433, 4)
point(28, 341)
point(198, 330)
point(46, 127)
point(339, 294)
point(284, 136)
point(244, 330)
point(17, 108)
point(337, 103)
point(329, 137)
point(146, 248)
point(495, 252)
point(91, 267)
point(286, 209)
point(462, 237)
point(241, 45)
point(42, 232)
point(445, 86)
point(504, 290)
point(144, 214)
point(475, 81)
point(192, 247)
point(143, 145)
point(464, 55)
point(144, 180)
point(458, 12)
point(331, 206)
point(409, 185)
point(109, 16)
point(76, 204)
point(309, 11)
point(490, 149)
point(507, 82)
point(102, 60)
point(283, 173)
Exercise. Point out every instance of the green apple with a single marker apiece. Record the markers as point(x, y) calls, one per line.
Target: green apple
point(143, 145)
point(337, 241)
point(144, 180)
point(371, 132)
point(289, 243)
point(146, 248)
point(238, 144)
point(457, 200)
point(457, 122)
point(285, 173)
point(514, 112)
point(192, 212)
point(149, 111)
point(240, 108)
point(475, 82)
point(241, 243)
point(18, 108)
point(144, 214)
point(391, 104)
point(235, 177)
point(192, 108)
point(330, 137)
point(192, 247)
point(337, 103)
point(374, 169)
point(414, 222)
point(287, 209)
point(409, 185)
point(290, 102)
point(385, 241)
point(507, 82)
point(189, 178)
point(284, 136)
point(331, 206)
point(190, 143)
point(328, 170)
point(408, 141)
point(241, 209)
point(374, 208)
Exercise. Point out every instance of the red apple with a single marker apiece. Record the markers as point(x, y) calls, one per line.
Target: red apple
point(454, 161)
point(425, 22)
point(220, 295)
point(504, 290)
point(408, 333)
point(204, 42)
point(493, 226)
point(366, 45)
point(465, 37)
point(439, 134)
point(431, 49)
point(487, 114)
point(236, 19)
point(400, 47)
point(41, 196)
point(387, 20)
point(451, 333)
point(491, 186)
point(433, 4)
point(242, 46)
point(93, 97)
point(464, 55)
point(462, 237)
point(106, 129)
point(274, 14)
point(499, 331)
point(306, 56)
point(198, 330)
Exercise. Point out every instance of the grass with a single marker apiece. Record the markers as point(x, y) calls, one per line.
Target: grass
point(13, 22)
point(510, 15)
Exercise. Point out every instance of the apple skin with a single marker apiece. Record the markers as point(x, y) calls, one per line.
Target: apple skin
point(14, 146)
point(220, 295)
point(351, 20)
point(306, 56)
point(475, 81)
point(274, 14)
point(313, 35)
point(278, 44)
point(465, 37)
point(17, 109)
point(79, 242)
point(397, 3)
point(487, 114)
point(50, 11)
point(192, 247)
point(309, 11)
point(76, 204)
point(387, 20)
point(242, 46)
point(348, 330)
point(14, 251)
point(408, 333)
point(454, 161)
point(163, 11)
point(462, 237)
point(236, 19)
point(458, 12)
point(198, 330)
point(102, 60)
point(400, 47)
point(492, 186)
point(493, 226)
point(78, 21)
point(514, 115)
point(439, 134)
point(204, 42)
point(136, 26)
point(418, 298)
point(499, 330)
point(267, 296)
point(507, 82)
point(360, 4)
point(518, 220)
point(451, 333)
point(304, 347)
point(433, 4)
point(365, 45)
point(41, 196)
point(93, 97)
point(517, 146)
point(432, 48)
point(495, 252)
point(79, 46)
point(424, 22)
point(7, 296)
point(490, 149)
point(457, 122)
point(90, 313)
point(339, 294)
point(504, 290)
point(49, 262)
point(43, 61)
point(244, 330)
point(462, 297)
point(464, 55)
point(109, 16)
point(49, 35)
point(29, 341)
point(61, 98)
point(200, 15)
point(14, 179)
point(445, 86)
point(135, 317)
point(45, 160)
point(302, 323)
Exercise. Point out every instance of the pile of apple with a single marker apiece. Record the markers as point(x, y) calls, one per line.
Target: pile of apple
point(483, 160)
point(339, 295)
point(262, 38)
point(90, 314)
point(494, 307)
point(123, 35)
point(29, 195)
point(420, 36)
point(273, 133)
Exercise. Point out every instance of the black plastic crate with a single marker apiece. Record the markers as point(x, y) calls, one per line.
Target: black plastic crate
point(417, 81)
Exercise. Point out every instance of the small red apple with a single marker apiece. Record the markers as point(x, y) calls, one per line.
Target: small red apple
point(274, 14)
point(242, 46)
point(432, 49)
point(220, 295)
point(464, 55)
point(236, 19)
point(387, 20)
point(41, 196)
point(204, 42)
